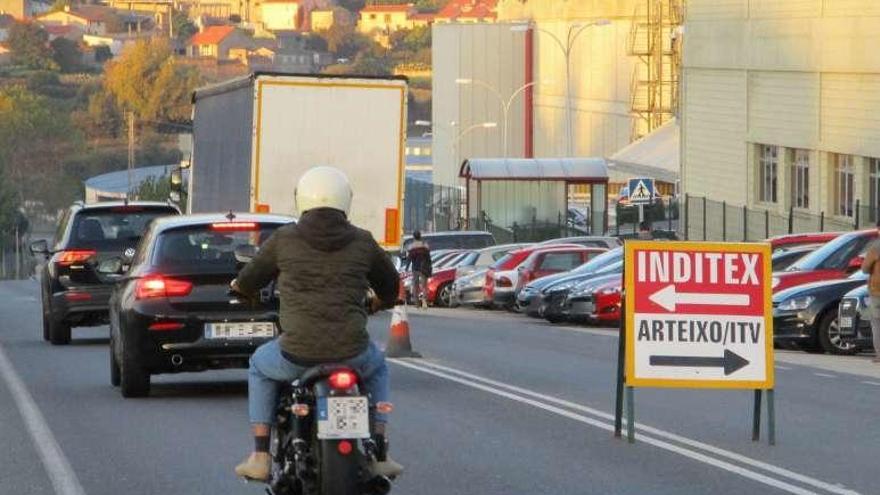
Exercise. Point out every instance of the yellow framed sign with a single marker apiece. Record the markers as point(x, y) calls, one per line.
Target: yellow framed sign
point(698, 315)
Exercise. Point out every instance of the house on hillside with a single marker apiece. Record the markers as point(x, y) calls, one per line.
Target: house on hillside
point(468, 11)
point(281, 15)
point(97, 19)
point(216, 42)
point(324, 19)
point(23, 9)
point(71, 32)
point(379, 21)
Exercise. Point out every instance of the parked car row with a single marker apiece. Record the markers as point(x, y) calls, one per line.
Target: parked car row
point(819, 292)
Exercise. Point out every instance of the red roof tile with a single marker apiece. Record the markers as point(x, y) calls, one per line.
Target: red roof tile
point(211, 35)
point(469, 9)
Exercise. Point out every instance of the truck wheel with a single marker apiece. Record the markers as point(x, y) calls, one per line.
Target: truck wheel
point(59, 332)
point(828, 334)
point(134, 380)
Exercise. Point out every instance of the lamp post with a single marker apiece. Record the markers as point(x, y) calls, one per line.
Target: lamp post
point(574, 31)
point(505, 103)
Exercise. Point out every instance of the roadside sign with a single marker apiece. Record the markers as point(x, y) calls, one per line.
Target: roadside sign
point(641, 191)
point(698, 315)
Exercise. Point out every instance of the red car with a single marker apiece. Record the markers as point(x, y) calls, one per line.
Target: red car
point(554, 259)
point(835, 260)
point(792, 240)
point(440, 287)
point(606, 302)
point(509, 262)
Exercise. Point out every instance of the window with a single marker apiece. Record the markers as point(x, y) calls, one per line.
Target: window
point(561, 261)
point(844, 185)
point(800, 179)
point(387, 18)
point(874, 188)
point(767, 168)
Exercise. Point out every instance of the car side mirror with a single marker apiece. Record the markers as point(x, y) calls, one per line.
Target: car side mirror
point(856, 263)
point(245, 253)
point(40, 247)
point(111, 266)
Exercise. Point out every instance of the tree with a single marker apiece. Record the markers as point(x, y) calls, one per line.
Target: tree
point(344, 42)
point(411, 40)
point(183, 26)
point(29, 44)
point(153, 189)
point(66, 55)
point(147, 80)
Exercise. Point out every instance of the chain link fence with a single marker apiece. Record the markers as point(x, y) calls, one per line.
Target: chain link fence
point(705, 219)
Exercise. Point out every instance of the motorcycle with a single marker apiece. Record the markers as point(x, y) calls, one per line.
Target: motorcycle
point(323, 440)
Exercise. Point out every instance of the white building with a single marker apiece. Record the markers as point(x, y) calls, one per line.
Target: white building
point(781, 105)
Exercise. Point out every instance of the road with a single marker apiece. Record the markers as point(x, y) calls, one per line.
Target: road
point(500, 405)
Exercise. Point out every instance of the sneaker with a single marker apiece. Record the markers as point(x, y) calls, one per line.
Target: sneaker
point(387, 468)
point(256, 467)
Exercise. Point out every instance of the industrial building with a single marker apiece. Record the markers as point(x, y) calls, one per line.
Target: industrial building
point(781, 106)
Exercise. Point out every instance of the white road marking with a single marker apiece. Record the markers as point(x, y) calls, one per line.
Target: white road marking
point(492, 387)
point(782, 367)
point(872, 383)
point(825, 375)
point(57, 466)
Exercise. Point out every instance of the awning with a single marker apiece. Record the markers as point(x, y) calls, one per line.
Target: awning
point(656, 155)
point(536, 169)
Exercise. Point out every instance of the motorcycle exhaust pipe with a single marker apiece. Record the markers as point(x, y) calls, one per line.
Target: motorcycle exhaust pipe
point(380, 485)
point(177, 360)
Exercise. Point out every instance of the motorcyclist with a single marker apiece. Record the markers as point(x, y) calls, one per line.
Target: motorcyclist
point(324, 267)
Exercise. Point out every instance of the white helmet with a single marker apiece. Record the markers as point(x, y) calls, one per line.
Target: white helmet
point(323, 187)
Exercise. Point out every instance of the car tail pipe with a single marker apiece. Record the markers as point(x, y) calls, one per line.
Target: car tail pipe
point(176, 360)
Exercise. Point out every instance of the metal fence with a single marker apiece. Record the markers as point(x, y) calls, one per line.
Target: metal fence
point(433, 208)
point(705, 219)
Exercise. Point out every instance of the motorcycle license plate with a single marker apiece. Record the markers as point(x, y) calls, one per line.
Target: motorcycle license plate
point(240, 330)
point(343, 417)
point(846, 321)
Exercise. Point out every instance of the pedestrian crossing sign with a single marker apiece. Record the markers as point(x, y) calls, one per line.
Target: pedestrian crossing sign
point(641, 191)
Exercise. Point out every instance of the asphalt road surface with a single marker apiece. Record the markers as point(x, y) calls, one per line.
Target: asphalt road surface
point(500, 405)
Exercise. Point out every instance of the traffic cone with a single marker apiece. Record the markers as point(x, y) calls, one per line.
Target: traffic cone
point(399, 344)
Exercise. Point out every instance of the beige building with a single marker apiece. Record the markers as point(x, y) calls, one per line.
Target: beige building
point(281, 15)
point(91, 19)
point(501, 58)
point(780, 105)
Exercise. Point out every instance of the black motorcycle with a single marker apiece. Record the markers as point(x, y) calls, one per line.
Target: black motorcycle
point(322, 439)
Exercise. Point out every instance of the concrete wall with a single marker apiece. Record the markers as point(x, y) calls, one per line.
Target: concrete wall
point(792, 73)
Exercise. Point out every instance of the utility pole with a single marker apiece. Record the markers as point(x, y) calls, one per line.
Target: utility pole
point(130, 153)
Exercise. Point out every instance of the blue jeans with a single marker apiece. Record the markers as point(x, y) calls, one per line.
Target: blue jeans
point(269, 370)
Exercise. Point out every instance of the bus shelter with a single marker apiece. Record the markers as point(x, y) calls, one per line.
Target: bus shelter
point(536, 196)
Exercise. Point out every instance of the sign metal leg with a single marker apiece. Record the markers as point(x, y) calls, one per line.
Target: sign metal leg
point(771, 417)
point(756, 417)
point(621, 356)
point(630, 416)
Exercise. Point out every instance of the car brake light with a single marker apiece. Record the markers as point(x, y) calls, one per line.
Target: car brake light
point(71, 256)
point(78, 296)
point(234, 226)
point(342, 380)
point(165, 326)
point(503, 282)
point(154, 286)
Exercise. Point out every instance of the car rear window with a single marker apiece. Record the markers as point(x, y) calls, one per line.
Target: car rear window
point(112, 228)
point(207, 246)
point(561, 261)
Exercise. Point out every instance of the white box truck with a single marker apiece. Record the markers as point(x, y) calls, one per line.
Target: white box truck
point(253, 137)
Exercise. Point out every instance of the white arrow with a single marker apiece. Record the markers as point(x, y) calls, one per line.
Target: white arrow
point(667, 297)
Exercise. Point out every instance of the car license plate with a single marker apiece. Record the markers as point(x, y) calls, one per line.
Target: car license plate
point(240, 330)
point(846, 321)
point(343, 417)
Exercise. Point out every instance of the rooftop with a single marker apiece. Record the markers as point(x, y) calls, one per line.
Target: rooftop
point(469, 9)
point(388, 8)
point(211, 35)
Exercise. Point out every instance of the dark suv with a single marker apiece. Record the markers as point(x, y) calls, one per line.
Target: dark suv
point(73, 292)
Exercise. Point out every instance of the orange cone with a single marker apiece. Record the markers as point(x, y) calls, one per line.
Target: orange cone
point(399, 344)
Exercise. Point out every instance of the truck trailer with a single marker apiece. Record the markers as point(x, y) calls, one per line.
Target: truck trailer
point(254, 137)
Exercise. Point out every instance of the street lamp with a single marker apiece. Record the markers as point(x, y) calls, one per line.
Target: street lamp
point(483, 125)
point(505, 103)
point(574, 31)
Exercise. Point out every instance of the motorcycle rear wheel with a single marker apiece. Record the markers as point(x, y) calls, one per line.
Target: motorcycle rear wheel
point(338, 474)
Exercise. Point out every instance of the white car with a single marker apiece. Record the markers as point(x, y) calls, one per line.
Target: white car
point(505, 284)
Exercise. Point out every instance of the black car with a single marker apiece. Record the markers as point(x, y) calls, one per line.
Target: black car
point(807, 315)
point(172, 311)
point(853, 318)
point(531, 299)
point(73, 293)
point(577, 303)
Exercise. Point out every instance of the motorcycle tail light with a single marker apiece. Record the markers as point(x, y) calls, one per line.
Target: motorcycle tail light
point(342, 380)
point(300, 410)
point(344, 447)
